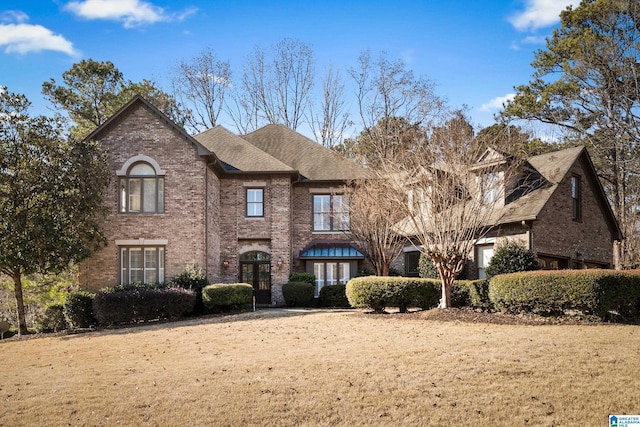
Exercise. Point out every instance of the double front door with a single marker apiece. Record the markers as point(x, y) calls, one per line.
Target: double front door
point(255, 269)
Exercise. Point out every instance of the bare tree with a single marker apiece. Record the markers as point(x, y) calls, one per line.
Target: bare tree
point(372, 221)
point(394, 107)
point(332, 120)
point(276, 85)
point(386, 89)
point(451, 193)
point(200, 85)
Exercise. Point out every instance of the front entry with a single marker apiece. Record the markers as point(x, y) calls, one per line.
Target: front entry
point(255, 269)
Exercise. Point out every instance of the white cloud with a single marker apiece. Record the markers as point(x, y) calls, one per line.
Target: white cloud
point(497, 102)
point(132, 13)
point(16, 36)
point(540, 13)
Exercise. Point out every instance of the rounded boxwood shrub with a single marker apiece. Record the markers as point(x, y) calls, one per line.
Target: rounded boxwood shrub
point(298, 294)
point(334, 296)
point(135, 303)
point(78, 310)
point(303, 277)
point(511, 258)
point(51, 320)
point(223, 297)
point(592, 292)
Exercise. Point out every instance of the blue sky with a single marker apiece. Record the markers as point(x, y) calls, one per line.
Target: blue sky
point(475, 51)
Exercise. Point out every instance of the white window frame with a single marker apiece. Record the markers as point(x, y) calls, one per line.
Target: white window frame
point(334, 215)
point(331, 273)
point(144, 201)
point(151, 265)
point(254, 206)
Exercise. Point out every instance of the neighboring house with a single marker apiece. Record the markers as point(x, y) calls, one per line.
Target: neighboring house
point(558, 210)
point(252, 209)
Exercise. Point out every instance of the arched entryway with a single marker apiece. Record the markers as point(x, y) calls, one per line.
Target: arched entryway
point(255, 269)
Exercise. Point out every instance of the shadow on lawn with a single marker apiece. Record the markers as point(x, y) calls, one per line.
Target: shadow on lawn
point(259, 314)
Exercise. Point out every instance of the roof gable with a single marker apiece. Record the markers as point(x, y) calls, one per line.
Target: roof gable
point(314, 161)
point(136, 101)
point(237, 154)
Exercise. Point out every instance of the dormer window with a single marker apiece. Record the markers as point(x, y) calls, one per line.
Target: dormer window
point(141, 187)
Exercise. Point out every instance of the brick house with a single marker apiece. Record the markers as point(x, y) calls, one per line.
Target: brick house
point(251, 209)
point(563, 217)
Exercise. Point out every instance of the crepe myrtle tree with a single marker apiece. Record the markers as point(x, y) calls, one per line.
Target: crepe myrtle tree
point(372, 220)
point(450, 192)
point(51, 192)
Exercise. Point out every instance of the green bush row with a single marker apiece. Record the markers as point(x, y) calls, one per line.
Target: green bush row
point(377, 293)
point(227, 297)
point(592, 292)
point(128, 304)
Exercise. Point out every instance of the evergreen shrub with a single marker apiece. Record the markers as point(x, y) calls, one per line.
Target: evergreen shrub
point(303, 277)
point(51, 320)
point(78, 309)
point(298, 294)
point(136, 303)
point(334, 296)
point(601, 293)
point(511, 258)
point(223, 297)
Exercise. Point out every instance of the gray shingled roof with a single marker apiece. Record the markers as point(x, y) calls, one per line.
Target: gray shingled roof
point(552, 166)
point(238, 154)
point(314, 161)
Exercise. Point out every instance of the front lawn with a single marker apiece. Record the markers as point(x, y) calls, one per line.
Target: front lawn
point(321, 367)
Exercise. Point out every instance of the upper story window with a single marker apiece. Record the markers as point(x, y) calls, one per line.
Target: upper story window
point(330, 213)
point(141, 186)
point(490, 187)
point(255, 202)
point(576, 198)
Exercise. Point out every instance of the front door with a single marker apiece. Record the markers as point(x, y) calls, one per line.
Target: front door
point(255, 269)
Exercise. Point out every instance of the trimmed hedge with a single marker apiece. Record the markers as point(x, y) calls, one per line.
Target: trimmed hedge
point(378, 292)
point(223, 297)
point(303, 277)
point(334, 296)
point(591, 292)
point(471, 293)
point(298, 294)
point(135, 303)
point(78, 310)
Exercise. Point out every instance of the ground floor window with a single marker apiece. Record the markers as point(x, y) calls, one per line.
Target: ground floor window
point(331, 273)
point(412, 264)
point(143, 264)
point(484, 253)
point(547, 262)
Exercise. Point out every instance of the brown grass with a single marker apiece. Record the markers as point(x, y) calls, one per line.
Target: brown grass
point(286, 368)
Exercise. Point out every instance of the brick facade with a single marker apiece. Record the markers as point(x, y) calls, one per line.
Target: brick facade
point(204, 220)
point(141, 132)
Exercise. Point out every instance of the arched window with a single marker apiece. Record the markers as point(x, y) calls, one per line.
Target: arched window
point(141, 188)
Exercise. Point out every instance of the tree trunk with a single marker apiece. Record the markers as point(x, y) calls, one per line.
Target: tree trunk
point(446, 278)
point(17, 285)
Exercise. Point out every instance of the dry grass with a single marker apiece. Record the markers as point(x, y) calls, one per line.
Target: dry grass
point(286, 368)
